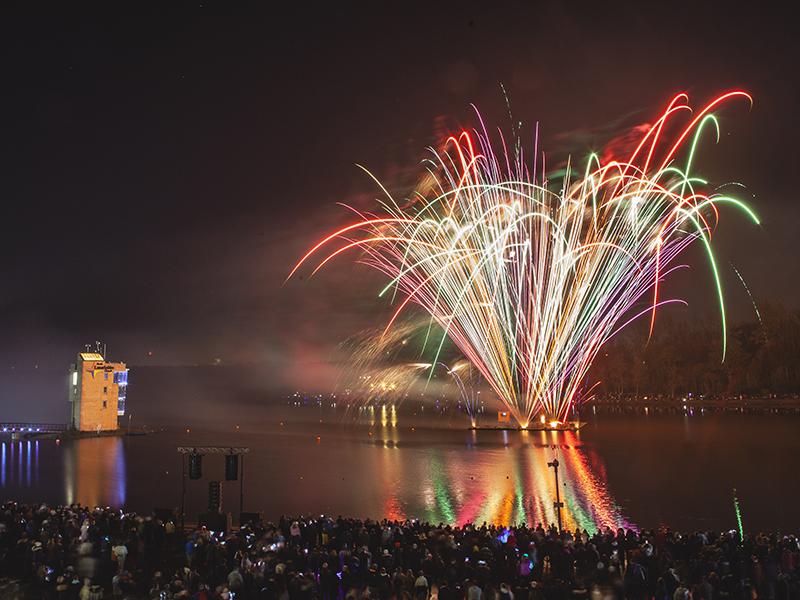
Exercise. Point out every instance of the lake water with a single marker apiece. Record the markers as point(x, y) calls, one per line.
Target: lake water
point(618, 470)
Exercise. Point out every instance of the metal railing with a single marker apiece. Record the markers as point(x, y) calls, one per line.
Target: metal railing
point(16, 427)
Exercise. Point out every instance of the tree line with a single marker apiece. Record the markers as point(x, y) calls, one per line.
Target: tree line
point(763, 357)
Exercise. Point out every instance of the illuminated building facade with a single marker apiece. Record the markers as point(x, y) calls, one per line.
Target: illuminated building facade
point(97, 392)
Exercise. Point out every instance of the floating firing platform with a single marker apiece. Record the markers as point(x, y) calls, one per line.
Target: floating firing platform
point(568, 426)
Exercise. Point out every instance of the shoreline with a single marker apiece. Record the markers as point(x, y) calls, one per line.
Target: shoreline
point(70, 434)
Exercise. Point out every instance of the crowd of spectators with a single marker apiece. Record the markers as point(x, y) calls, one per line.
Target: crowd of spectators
point(73, 552)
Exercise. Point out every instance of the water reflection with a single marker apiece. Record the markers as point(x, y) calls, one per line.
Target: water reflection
point(452, 477)
point(19, 463)
point(94, 472)
point(392, 475)
point(511, 484)
point(28, 462)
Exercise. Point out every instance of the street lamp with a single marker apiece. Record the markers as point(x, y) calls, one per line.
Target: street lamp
point(557, 504)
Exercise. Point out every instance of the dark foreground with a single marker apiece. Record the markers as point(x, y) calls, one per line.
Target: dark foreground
point(75, 552)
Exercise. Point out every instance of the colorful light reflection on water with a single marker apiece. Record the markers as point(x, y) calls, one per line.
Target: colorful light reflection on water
point(379, 469)
point(511, 484)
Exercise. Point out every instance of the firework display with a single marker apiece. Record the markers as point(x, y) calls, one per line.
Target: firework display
point(389, 385)
point(529, 275)
point(385, 367)
point(467, 382)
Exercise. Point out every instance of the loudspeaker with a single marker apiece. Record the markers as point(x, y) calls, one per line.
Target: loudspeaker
point(231, 467)
point(215, 521)
point(214, 496)
point(246, 518)
point(195, 466)
point(164, 514)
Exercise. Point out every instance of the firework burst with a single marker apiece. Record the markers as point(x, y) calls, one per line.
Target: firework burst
point(467, 383)
point(529, 278)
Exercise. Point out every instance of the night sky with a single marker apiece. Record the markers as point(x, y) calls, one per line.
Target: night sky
point(162, 170)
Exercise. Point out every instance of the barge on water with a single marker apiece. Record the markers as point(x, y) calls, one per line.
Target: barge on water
point(551, 426)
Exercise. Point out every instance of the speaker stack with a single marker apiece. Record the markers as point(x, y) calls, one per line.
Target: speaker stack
point(195, 466)
point(231, 467)
point(214, 496)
